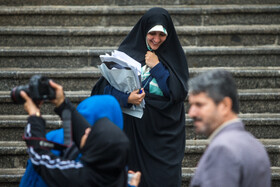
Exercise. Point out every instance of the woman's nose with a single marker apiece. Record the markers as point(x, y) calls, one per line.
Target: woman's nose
point(157, 38)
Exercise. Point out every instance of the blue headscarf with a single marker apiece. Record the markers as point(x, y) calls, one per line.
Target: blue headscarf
point(92, 109)
point(100, 106)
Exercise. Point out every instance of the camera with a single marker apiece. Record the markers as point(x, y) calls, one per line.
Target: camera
point(38, 89)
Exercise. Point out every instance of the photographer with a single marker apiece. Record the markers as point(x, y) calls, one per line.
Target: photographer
point(99, 145)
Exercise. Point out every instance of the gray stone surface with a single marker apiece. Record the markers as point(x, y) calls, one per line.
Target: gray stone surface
point(229, 60)
point(48, 61)
point(60, 57)
point(257, 101)
point(12, 127)
point(195, 148)
point(68, 20)
point(85, 78)
point(14, 155)
point(112, 36)
point(12, 40)
point(238, 56)
point(230, 40)
point(7, 107)
point(262, 101)
point(75, 79)
point(129, 15)
point(262, 126)
point(11, 177)
point(249, 77)
point(133, 2)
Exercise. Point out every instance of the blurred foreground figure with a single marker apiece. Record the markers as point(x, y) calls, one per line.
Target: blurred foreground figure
point(104, 148)
point(234, 157)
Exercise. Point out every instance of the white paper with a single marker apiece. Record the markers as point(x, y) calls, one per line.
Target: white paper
point(125, 80)
point(124, 60)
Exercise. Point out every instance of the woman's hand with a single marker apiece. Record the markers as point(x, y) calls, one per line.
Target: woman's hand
point(151, 59)
point(135, 179)
point(59, 94)
point(29, 106)
point(136, 98)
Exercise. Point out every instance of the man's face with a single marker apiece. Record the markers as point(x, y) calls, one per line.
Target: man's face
point(206, 114)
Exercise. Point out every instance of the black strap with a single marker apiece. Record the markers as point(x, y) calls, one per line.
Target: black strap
point(67, 126)
point(45, 144)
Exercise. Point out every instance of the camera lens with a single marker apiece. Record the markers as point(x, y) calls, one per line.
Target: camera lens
point(15, 94)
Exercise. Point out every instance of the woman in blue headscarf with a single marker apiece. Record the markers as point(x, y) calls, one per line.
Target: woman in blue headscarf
point(92, 109)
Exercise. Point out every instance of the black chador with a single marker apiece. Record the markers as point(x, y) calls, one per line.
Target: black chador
point(157, 140)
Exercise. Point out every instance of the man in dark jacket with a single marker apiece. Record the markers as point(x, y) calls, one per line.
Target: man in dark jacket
point(104, 148)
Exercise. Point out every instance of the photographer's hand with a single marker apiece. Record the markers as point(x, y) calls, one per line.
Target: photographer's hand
point(135, 179)
point(59, 94)
point(29, 106)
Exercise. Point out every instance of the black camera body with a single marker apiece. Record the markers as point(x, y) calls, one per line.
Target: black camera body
point(38, 89)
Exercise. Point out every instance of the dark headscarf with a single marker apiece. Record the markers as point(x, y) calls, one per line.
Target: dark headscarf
point(170, 53)
point(106, 152)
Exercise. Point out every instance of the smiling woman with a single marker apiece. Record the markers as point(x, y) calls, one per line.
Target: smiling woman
point(155, 37)
point(157, 139)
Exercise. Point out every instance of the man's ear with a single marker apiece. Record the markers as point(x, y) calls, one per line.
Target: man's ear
point(226, 105)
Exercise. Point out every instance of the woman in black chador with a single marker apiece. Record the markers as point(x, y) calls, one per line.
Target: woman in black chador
point(158, 138)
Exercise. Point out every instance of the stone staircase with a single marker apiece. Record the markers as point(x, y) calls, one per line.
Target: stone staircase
point(63, 40)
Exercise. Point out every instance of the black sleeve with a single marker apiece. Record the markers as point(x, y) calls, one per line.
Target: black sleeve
point(79, 123)
point(54, 170)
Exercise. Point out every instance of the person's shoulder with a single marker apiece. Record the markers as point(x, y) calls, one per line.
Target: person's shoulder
point(236, 140)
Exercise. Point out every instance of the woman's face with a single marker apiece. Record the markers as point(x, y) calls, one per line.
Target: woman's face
point(155, 39)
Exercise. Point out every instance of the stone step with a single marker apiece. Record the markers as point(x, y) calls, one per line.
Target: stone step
point(263, 126)
point(77, 57)
point(12, 126)
point(249, 77)
point(75, 79)
point(71, 79)
point(237, 56)
point(10, 177)
point(195, 148)
point(128, 15)
point(7, 107)
point(14, 155)
point(251, 101)
point(132, 2)
point(233, 35)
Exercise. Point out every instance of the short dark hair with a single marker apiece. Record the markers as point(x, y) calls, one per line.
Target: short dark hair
point(217, 84)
